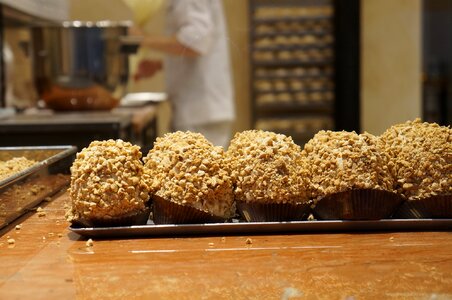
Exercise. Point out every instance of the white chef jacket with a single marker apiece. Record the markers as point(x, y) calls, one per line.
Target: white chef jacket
point(200, 88)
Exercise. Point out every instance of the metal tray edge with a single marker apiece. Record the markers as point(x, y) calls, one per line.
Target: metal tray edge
point(266, 228)
point(67, 150)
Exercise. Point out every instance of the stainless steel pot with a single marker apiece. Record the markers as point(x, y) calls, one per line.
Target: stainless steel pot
point(80, 65)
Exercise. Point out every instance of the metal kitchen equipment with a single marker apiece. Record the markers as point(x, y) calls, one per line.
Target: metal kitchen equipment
point(24, 190)
point(81, 65)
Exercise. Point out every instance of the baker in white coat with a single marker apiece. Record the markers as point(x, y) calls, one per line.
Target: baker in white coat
point(197, 68)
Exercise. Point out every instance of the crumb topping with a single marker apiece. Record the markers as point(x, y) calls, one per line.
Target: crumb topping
point(107, 181)
point(14, 165)
point(341, 161)
point(267, 167)
point(420, 158)
point(185, 168)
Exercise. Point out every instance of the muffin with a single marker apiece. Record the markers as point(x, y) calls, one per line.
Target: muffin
point(421, 163)
point(188, 180)
point(349, 176)
point(108, 186)
point(270, 179)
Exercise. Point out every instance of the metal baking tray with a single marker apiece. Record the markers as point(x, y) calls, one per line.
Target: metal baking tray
point(294, 227)
point(25, 189)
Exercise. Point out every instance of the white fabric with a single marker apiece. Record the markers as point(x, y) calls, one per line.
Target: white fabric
point(218, 133)
point(200, 88)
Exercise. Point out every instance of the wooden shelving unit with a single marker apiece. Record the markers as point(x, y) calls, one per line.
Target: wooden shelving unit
point(292, 66)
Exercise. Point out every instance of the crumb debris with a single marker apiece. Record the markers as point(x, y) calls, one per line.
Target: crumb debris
point(223, 239)
point(311, 217)
point(18, 227)
point(391, 239)
point(11, 241)
point(51, 234)
point(60, 235)
point(14, 165)
point(211, 244)
point(249, 241)
point(89, 243)
point(41, 212)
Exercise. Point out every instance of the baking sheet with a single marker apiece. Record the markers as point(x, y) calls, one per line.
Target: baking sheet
point(214, 229)
point(24, 190)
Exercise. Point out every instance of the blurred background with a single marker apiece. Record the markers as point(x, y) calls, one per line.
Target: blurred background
point(297, 67)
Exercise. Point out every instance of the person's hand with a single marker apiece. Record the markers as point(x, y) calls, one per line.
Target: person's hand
point(147, 68)
point(135, 31)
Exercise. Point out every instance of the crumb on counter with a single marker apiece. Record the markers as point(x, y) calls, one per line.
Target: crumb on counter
point(41, 212)
point(89, 243)
point(18, 227)
point(11, 241)
point(249, 241)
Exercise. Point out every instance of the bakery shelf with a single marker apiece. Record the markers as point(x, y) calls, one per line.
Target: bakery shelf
point(289, 90)
point(290, 19)
point(289, 76)
point(293, 107)
point(276, 33)
point(292, 63)
point(293, 47)
point(279, 59)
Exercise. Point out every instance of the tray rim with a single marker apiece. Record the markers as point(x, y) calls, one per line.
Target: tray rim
point(270, 228)
point(66, 151)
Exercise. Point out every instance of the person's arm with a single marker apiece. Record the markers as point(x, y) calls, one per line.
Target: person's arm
point(169, 45)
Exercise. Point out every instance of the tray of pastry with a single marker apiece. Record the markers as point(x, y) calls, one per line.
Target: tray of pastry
point(29, 175)
point(238, 228)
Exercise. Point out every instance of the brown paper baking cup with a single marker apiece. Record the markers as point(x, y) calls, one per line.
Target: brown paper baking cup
point(135, 218)
point(439, 207)
point(358, 204)
point(272, 212)
point(412, 209)
point(168, 212)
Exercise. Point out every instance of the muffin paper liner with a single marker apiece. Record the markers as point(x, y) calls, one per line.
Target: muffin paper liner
point(168, 212)
point(412, 209)
point(358, 204)
point(438, 207)
point(435, 207)
point(273, 212)
point(136, 218)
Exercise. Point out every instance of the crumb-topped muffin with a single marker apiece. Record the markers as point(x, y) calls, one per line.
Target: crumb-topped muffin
point(269, 176)
point(421, 163)
point(185, 168)
point(267, 167)
point(341, 161)
point(349, 177)
point(420, 158)
point(108, 184)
